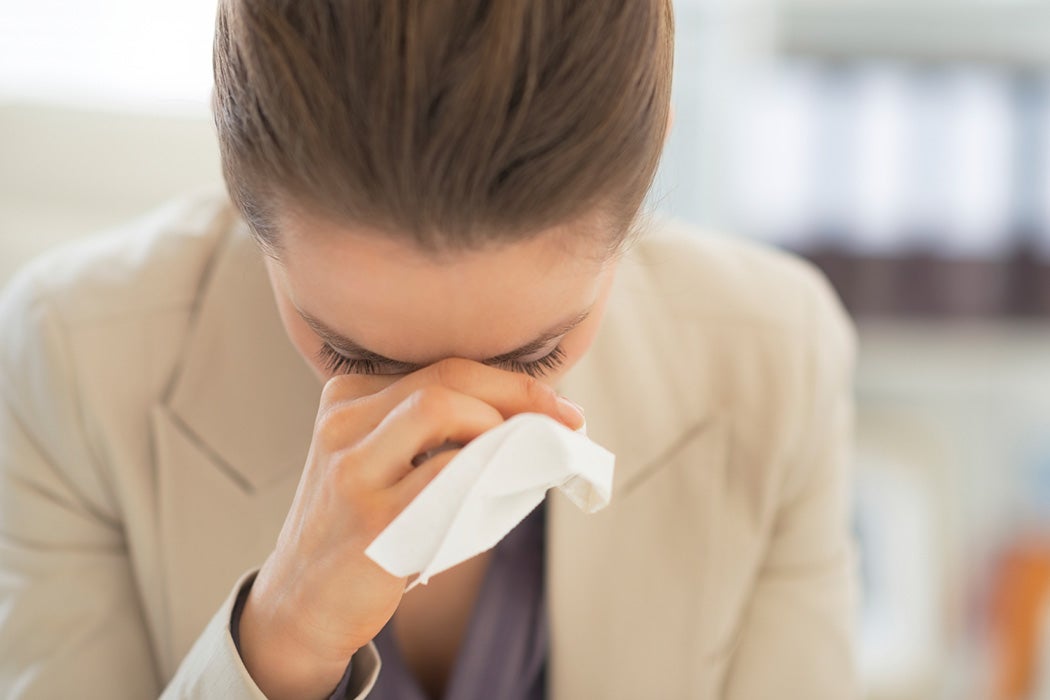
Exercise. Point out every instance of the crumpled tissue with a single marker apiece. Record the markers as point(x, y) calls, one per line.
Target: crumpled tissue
point(487, 489)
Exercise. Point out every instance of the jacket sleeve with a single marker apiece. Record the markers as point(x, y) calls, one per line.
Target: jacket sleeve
point(71, 619)
point(797, 636)
point(213, 667)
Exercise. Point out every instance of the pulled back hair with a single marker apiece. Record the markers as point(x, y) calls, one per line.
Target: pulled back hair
point(454, 123)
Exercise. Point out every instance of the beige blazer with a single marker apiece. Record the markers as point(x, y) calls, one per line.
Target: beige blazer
point(154, 419)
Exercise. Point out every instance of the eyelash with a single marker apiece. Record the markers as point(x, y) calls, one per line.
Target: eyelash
point(336, 363)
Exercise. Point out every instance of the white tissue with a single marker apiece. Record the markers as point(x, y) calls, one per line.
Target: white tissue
point(488, 488)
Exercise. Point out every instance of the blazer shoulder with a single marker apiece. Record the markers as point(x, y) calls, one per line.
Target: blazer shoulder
point(92, 332)
point(760, 330)
point(729, 281)
point(155, 263)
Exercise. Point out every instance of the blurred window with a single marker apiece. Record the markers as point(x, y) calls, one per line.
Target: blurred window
point(1012, 31)
point(131, 55)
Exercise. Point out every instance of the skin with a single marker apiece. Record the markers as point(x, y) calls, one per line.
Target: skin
point(318, 598)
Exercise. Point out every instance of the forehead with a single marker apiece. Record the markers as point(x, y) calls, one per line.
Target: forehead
point(397, 300)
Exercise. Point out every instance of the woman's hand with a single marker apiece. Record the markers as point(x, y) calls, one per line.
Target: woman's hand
point(318, 598)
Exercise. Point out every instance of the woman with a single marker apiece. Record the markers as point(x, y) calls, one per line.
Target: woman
point(434, 226)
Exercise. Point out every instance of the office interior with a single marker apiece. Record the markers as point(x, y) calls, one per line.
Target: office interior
point(903, 146)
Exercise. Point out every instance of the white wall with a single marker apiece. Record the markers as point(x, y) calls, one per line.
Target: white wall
point(134, 129)
point(66, 172)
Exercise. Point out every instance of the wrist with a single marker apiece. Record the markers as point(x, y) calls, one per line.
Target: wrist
point(277, 657)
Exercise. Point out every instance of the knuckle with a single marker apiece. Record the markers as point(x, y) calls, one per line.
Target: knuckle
point(345, 479)
point(450, 370)
point(349, 477)
point(364, 504)
point(331, 429)
point(334, 389)
point(536, 392)
point(432, 402)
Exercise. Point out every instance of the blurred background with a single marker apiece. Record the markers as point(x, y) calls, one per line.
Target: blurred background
point(902, 145)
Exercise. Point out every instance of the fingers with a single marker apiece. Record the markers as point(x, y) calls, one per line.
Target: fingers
point(452, 401)
point(508, 392)
point(428, 419)
point(405, 491)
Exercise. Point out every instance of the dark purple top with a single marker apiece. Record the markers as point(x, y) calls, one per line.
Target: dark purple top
point(504, 653)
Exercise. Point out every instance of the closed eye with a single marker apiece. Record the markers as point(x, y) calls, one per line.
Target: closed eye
point(337, 363)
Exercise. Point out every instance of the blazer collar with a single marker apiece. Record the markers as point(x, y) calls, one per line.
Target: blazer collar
point(243, 392)
point(246, 397)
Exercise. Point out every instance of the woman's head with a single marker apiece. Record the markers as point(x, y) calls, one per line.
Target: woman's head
point(440, 132)
point(452, 123)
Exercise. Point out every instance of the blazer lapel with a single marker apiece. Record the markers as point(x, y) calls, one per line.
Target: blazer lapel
point(243, 390)
point(628, 600)
point(230, 438)
point(621, 578)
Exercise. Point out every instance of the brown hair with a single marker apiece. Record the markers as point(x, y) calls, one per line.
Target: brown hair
point(454, 122)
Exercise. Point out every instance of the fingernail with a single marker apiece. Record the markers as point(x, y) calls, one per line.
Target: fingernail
point(570, 413)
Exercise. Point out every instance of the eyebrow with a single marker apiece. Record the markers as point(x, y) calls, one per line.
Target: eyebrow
point(349, 347)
